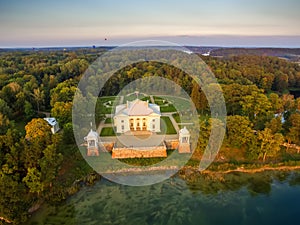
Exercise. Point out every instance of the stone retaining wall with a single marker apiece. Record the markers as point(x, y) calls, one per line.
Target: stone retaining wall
point(172, 144)
point(143, 152)
point(106, 146)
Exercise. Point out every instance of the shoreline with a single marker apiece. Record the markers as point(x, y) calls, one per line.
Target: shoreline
point(250, 171)
point(241, 169)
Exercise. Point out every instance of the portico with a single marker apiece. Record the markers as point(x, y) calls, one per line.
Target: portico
point(137, 115)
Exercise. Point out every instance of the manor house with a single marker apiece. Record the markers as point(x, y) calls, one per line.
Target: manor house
point(137, 115)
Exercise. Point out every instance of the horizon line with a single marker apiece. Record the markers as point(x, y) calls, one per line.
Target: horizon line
point(115, 46)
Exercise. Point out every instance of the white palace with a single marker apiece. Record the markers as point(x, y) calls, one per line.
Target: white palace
point(137, 115)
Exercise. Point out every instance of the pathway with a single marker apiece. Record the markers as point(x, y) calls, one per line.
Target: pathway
point(121, 100)
point(152, 99)
point(170, 115)
point(174, 123)
point(103, 124)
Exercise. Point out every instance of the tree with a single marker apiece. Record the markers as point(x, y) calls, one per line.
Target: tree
point(13, 200)
point(64, 92)
point(294, 130)
point(38, 137)
point(39, 97)
point(257, 107)
point(4, 108)
point(63, 112)
point(11, 95)
point(4, 123)
point(298, 104)
point(33, 181)
point(277, 103)
point(38, 130)
point(288, 102)
point(49, 164)
point(28, 109)
point(198, 97)
point(234, 94)
point(275, 125)
point(68, 135)
point(269, 143)
point(281, 82)
point(239, 130)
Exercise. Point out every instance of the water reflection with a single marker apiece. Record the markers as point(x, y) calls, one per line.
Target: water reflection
point(189, 198)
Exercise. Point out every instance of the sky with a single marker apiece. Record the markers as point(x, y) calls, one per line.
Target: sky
point(45, 23)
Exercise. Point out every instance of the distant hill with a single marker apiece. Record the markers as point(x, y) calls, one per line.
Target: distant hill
point(292, 54)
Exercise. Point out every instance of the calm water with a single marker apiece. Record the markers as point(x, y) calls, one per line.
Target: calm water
point(265, 198)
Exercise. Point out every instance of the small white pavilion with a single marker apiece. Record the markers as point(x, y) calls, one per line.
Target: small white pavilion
point(53, 123)
point(184, 141)
point(184, 136)
point(92, 140)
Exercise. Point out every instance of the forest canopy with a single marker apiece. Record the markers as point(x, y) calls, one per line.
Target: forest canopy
point(36, 165)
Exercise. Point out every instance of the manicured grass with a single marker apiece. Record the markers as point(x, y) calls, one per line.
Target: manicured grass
point(165, 105)
point(180, 103)
point(129, 98)
point(108, 121)
point(107, 131)
point(176, 118)
point(159, 101)
point(101, 108)
point(169, 108)
point(146, 99)
point(168, 128)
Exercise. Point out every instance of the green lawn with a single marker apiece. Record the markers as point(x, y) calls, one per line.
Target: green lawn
point(107, 131)
point(159, 101)
point(168, 128)
point(108, 121)
point(180, 103)
point(129, 98)
point(169, 108)
point(147, 98)
point(104, 107)
point(176, 118)
point(165, 105)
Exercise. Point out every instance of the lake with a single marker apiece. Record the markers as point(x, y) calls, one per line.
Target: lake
point(187, 198)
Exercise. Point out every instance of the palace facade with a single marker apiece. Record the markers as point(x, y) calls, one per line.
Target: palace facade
point(137, 115)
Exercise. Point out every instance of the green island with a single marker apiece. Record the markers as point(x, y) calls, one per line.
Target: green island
point(41, 169)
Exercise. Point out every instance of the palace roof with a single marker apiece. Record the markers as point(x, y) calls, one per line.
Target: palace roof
point(137, 108)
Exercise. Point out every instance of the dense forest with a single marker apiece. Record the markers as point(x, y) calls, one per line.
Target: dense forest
point(38, 166)
point(291, 54)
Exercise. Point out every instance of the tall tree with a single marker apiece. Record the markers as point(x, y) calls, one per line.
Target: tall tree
point(33, 180)
point(294, 131)
point(38, 137)
point(239, 130)
point(269, 143)
point(39, 97)
point(198, 97)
